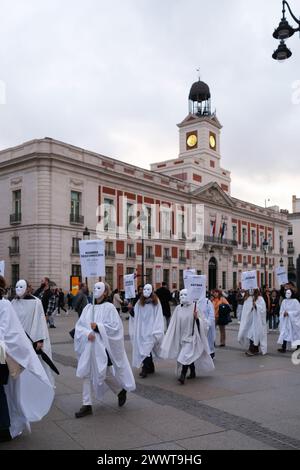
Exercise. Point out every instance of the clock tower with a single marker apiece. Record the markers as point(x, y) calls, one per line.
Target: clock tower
point(199, 144)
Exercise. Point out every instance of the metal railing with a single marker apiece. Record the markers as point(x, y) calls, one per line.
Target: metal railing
point(14, 250)
point(15, 218)
point(220, 241)
point(76, 219)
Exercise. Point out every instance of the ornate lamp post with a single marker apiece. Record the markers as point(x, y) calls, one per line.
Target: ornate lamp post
point(265, 248)
point(86, 236)
point(283, 32)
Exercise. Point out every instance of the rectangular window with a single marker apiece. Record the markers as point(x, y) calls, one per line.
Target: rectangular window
point(270, 280)
point(291, 262)
point(109, 249)
point(109, 215)
point(75, 204)
point(109, 276)
point(149, 253)
point(253, 238)
point(181, 285)
point(290, 230)
point(165, 223)
point(290, 244)
point(262, 277)
point(130, 251)
point(130, 270)
point(75, 246)
point(234, 279)
point(17, 202)
point(76, 270)
point(234, 233)
point(180, 227)
point(167, 253)
point(149, 222)
point(15, 245)
point(130, 218)
point(244, 236)
point(15, 274)
point(166, 277)
point(224, 280)
point(149, 275)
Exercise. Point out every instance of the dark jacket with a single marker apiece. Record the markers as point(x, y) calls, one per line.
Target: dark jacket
point(44, 296)
point(165, 297)
point(79, 302)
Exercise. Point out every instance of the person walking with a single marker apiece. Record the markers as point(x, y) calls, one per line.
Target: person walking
point(218, 301)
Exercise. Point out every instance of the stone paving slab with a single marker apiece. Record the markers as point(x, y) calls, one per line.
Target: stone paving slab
point(229, 440)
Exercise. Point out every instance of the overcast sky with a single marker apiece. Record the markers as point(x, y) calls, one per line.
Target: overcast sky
point(114, 77)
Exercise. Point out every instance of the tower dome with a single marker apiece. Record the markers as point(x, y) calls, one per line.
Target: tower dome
point(199, 99)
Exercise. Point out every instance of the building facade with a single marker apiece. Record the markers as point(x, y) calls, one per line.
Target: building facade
point(293, 247)
point(51, 191)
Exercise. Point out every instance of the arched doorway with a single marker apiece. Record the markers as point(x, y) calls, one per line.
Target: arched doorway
point(212, 273)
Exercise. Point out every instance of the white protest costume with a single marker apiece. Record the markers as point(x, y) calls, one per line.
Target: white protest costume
point(289, 325)
point(29, 393)
point(146, 330)
point(102, 361)
point(253, 326)
point(186, 339)
point(205, 306)
point(31, 315)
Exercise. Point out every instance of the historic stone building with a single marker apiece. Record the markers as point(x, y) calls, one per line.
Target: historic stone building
point(51, 191)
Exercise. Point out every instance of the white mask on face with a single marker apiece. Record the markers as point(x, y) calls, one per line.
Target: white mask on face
point(288, 294)
point(147, 291)
point(183, 296)
point(21, 288)
point(99, 289)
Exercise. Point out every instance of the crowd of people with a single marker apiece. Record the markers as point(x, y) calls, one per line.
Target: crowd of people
point(161, 326)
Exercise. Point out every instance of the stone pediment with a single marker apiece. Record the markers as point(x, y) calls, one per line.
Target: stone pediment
point(214, 194)
point(192, 118)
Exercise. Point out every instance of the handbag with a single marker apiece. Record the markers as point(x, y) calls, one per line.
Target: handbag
point(224, 314)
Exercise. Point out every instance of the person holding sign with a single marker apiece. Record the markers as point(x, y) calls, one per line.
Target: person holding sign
point(253, 327)
point(146, 331)
point(102, 359)
point(289, 323)
point(186, 339)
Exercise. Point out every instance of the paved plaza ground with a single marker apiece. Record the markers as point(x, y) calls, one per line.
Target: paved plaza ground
point(246, 403)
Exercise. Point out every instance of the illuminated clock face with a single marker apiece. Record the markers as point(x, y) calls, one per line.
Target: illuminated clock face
point(192, 140)
point(212, 142)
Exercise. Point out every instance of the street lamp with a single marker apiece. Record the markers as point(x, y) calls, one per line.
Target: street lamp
point(143, 220)
point(265, 248)
point(281, 262)
point(283, 32)
point(86, 236)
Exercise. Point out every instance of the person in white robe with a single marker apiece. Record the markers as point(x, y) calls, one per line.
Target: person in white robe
point(146, 331)
point(289, 323)
point(205, 306)
point(102, 359)
point(31, 315)
point(26, 395)
point(186, 339)
point(253, 328)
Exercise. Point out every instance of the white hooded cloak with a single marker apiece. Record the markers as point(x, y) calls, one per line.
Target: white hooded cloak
point(31, 315)
point(289, 327)
point(205, 306)
point(254, 324)
point(30, 395)
point(184, 342)
point(92, 356)
point(146, 331)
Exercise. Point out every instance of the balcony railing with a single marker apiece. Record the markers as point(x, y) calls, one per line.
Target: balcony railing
point(291, 250)
point(110, 253)
point(235, 263)
point(220, 241)
point(167, 258)
point(75, 251)
point(14, 250)
point(253, 246)
point(131, 255)
point(15, 218)
point(245, 264)
point(149, 257)
point(182, 259)
point(76, 219)
point(245, 245)
point(254, 265)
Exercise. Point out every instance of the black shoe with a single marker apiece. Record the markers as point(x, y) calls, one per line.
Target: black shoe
point(5, 435)
point(84, 411)
point(181, 379)
point(52, 326)
point(212, 355)
point(281, 350)
point(192, 375)
point(122, 396)
point(143, 374)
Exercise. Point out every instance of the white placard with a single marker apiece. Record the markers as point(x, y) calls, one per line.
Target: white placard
point(2, 268)
point(186, 274)
point(281, 276)
point(196, 287)
point(249, 280)
point(92, 258)
point(129, 285)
